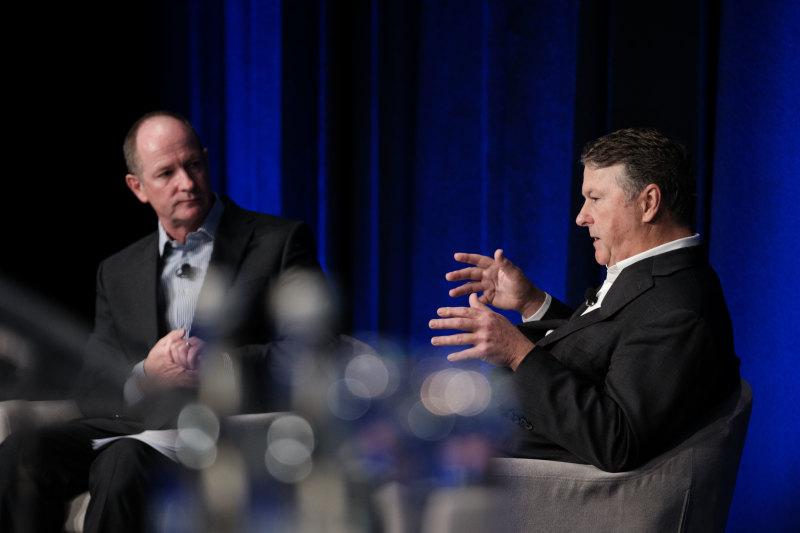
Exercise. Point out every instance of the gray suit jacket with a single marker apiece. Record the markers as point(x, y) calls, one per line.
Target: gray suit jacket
point(618, 385)
point(251, 251)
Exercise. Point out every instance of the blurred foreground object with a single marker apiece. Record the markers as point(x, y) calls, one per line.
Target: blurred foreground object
point(41, 346)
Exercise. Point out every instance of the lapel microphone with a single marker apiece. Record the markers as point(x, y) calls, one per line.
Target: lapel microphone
point(591, 297)
point(185, 271)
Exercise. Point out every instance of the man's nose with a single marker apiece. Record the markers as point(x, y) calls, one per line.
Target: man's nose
point(186, 181)
point(582, 219)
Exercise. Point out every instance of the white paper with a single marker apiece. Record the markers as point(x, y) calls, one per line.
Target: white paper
point(162, 440)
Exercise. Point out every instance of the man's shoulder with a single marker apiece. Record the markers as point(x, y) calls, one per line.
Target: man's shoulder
point(681, 259)
point(141, 249)
point(678, 279)
point(237, 215)
point(693, 259)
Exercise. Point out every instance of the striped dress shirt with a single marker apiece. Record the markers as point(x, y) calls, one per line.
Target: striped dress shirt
point(183, 269)
point(179, 284)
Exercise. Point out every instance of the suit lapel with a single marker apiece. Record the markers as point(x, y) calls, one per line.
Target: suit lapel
point(234, 233)
point(633, 281)
point(143, 298)
point(214, 311)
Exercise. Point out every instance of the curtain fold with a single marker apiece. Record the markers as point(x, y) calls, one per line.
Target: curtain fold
point(755, 246)
point(406, 131)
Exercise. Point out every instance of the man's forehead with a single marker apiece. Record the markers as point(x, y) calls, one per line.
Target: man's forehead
point(162, 134)
point(605, 177)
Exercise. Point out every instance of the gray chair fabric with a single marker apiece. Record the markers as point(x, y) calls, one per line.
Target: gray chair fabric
point(687, 489)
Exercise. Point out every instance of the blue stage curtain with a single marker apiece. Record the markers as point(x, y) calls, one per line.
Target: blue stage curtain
point(235, 95)
point(756, 247)
point(457, 140)
point(493, 144)
point(406, 131)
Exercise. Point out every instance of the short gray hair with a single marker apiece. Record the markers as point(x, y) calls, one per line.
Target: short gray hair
point(648, 157)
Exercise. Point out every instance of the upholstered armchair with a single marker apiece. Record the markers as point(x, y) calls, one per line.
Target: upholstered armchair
point(686, 489)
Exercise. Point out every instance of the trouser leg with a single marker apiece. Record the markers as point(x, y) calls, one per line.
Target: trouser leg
point(40, 470)
point(123, 481)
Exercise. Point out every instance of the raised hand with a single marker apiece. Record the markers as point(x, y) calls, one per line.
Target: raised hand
point(495, 340)
point(502, 283)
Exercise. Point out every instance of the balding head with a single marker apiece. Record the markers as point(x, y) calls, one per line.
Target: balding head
point(130, 145)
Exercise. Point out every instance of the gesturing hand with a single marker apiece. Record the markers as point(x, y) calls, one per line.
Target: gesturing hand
point(494, 339)
point(173, 361)
point(503, 284)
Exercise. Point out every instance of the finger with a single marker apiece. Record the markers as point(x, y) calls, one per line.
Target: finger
point(473, 259)
point(475, 302)
point(195, 341)
point(182, 349)
point(175, 335)
point(459, 339)
point(464, 324)
point(464, 355)
point(195, 350)
point(455, 312)
point(484, 299)
point(466, 288)
point(193, 357)
point(473, 273)
point(179, 353)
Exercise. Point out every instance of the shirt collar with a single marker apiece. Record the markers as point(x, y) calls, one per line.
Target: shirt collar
point(684, 242)
point(208, 228)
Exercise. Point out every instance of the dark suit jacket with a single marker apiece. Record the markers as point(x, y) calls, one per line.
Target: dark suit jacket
point(251, 251)
point(624, 382)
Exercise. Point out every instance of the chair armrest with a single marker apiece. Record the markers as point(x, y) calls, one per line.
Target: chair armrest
point(20, 414)
point(567, 497)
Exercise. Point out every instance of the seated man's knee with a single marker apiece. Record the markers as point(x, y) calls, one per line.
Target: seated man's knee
point(122, 480)
point(36, 479)
point(43, 458)
point(122, 466)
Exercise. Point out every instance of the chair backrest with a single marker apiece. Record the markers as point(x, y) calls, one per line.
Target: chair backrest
point(687, 489)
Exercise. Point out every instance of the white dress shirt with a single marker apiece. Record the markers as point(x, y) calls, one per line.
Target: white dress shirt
point(613, 272)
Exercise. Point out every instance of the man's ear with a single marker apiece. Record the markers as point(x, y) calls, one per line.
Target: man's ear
point(135, 185)
point(651, 202)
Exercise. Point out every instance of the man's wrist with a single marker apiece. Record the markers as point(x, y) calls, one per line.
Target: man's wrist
point(533, 303)
point(535, 309)
point(520, 354)
point(133, 390)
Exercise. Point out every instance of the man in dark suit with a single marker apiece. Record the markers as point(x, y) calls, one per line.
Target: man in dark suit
point(195, 296)
point(636, 367)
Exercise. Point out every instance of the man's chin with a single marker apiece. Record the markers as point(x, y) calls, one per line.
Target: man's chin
point(601, 259)
point(200, 203)
point(195, 209)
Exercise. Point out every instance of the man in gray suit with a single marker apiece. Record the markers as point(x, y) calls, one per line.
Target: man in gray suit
point(190, 295)
point(638, 365)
